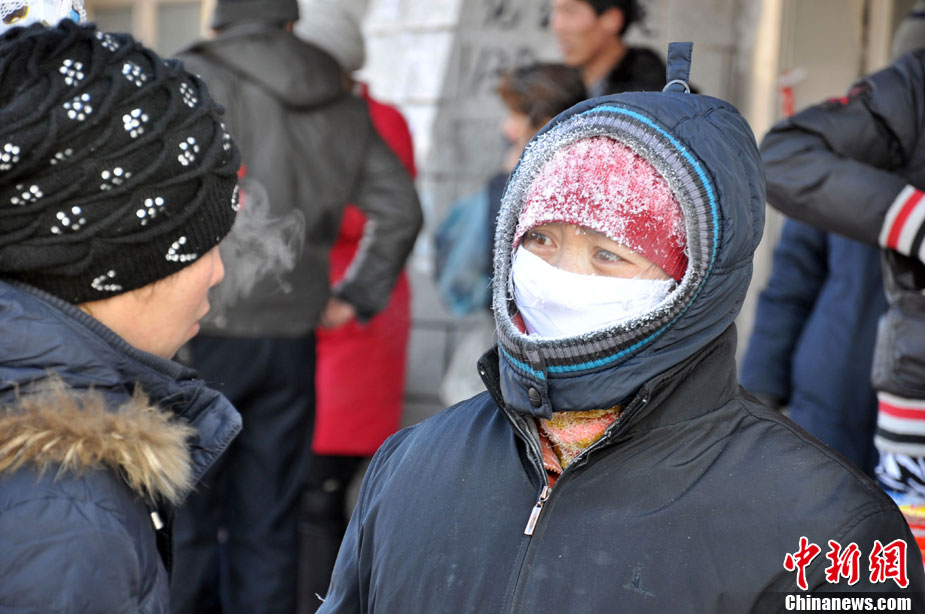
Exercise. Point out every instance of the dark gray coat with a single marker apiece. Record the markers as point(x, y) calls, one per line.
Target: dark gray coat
point(689, 505)
point(313, 147)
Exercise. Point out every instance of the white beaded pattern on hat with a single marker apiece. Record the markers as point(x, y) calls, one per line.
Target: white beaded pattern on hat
point(134, 121)
point(78, 108)
point(9, 155)
point(113, 178)
point(150, 210)
point(174, 255)
point(107, 40)
point(61, 156)
point(72, 71)
point(30, 195)
point(69, 220)
point(189, 97)
point(236, 199)
point(134, 74)
point(188, 151)
point(99, 284)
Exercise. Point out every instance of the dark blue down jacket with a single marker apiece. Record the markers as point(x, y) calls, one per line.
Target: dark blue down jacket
point(844, 166)
point(95, 437)
point(812, 344)
point(692, 499)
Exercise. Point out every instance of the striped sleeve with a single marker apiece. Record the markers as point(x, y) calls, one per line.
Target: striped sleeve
point(900, 425)
point(904, 226)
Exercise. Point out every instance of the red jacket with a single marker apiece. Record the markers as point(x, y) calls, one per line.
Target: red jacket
point(360, 373)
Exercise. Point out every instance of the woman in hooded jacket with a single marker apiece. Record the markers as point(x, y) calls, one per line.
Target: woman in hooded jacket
point(613, 464)
point(117, 182)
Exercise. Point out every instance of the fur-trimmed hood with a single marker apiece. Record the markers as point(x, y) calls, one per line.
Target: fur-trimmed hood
point(65, 431)
point(74, 396)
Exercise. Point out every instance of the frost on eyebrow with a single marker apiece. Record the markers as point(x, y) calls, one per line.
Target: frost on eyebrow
point(602, 184)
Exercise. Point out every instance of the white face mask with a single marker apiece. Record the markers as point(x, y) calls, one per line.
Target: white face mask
point(557, 303)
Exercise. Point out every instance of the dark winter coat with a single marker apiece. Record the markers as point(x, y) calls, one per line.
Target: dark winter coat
point(841, 166)
point(690, 504)
point(691, 500)
point(812, 344)
point(98, 442)
point(312, 145)
point(640, 70)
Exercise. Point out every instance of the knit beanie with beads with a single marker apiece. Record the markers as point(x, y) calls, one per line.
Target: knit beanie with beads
point(601, 184)
point(115, 169)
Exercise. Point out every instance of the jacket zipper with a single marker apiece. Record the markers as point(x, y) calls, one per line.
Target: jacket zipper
point(535, 513)
point(546, 490)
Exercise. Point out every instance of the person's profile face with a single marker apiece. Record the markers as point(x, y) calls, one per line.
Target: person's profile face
point(580, 31)
point(580, 250)
point(161, 316)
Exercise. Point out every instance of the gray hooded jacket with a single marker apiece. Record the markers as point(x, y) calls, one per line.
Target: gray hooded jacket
point(313, 147)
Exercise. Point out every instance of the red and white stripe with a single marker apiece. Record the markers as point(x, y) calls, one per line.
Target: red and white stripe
point(903, 220)
point(903, 418)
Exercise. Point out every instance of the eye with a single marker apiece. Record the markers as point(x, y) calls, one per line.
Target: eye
point(16, 16)
point(537, 238)
point(607, 256)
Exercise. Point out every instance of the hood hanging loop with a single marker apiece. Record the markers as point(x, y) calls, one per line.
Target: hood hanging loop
point(678, 73)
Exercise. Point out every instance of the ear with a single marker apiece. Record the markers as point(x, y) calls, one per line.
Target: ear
point(612, 20)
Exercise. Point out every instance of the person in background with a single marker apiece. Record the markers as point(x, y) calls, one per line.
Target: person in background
point(853, 166)
point(351, 421)
point(813, 341)
point(590, 35)
point(613, 463)
point(312, 146)
point(532, 96)
point(117, 183)
point(812, 346)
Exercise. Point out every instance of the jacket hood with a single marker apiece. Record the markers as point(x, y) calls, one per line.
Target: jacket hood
point(74, 393)
point(263, 54)
point(707, 154)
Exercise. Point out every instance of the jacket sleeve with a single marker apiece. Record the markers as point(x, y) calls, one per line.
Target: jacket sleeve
point(835, 165)
point(799, 271)
point(72, 558)
point(351, 580)
point(386, 194)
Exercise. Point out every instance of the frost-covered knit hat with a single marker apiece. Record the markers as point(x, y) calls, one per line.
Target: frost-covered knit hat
point(332, 28)
point(228, 12)
point(602, 184)
point(115, 169)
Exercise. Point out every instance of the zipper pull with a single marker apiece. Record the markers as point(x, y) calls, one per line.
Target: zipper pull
point(535, 513)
